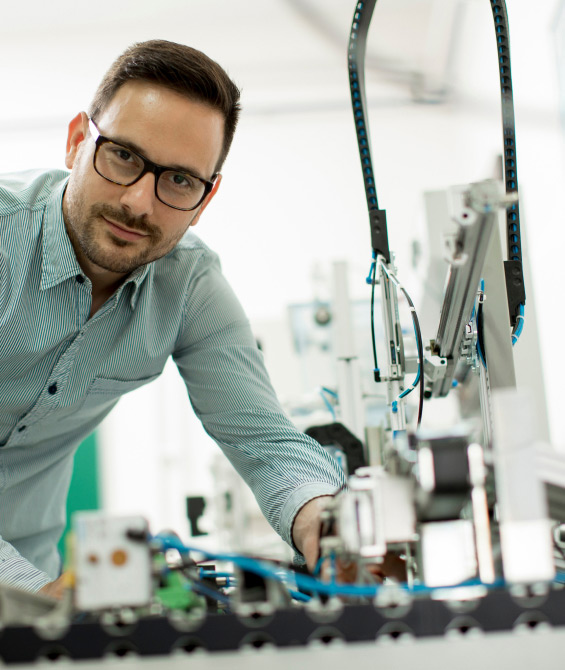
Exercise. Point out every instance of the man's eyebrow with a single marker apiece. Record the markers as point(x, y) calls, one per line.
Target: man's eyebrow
point(180, 168)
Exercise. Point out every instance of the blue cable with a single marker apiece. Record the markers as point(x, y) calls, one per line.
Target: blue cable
point(479, 349)
point(369, 279)
point(482, 289)
point(516, 334)
point(329, 392)
point(305, 582)
point(481, 355)
point(333, 568)
point(414, 383)
point(203, 573)
point(328, 404)
point(412, 309)
point(318, 566)
point(205, 591)
point(297, 595)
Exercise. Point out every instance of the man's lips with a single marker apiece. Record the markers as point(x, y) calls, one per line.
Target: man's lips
point(123, 233)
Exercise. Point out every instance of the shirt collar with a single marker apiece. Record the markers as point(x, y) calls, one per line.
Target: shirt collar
point(59, 261)
point(136, 278)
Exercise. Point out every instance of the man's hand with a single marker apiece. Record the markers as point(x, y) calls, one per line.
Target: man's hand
point(55, 589)
point(306, 537)
point(306, 530)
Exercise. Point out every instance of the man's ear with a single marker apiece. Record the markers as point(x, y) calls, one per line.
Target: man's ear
point(78, 129)
point(207, 200)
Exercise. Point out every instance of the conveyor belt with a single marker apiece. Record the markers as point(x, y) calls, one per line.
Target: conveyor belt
point(421, 618)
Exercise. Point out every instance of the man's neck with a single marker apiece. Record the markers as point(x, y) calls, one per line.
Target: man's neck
point(104, 283)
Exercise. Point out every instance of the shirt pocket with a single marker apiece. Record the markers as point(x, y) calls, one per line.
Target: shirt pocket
point(104, 392)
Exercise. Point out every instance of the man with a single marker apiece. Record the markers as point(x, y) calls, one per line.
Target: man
point(101, 281)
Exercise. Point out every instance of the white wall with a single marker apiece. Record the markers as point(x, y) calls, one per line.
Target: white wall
point(292, 193)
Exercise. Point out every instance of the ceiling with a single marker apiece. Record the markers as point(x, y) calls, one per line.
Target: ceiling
point(283, 53)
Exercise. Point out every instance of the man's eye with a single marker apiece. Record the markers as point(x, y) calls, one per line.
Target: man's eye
point(123, 154)
point(179, 180)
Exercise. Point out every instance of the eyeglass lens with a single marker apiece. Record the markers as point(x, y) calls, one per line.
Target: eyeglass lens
point(121, 166)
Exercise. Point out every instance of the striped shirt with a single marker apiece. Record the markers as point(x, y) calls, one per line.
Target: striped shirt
point(62, 372)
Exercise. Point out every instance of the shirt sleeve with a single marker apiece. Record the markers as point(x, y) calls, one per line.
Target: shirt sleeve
point(231, 393)
point(16, 571)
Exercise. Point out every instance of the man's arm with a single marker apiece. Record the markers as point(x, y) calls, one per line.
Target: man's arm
point(231, 393)
point(16, 571)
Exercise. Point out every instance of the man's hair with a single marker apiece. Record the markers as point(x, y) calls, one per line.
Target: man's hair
point(179, 68)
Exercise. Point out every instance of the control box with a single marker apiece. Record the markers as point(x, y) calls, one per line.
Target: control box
point(112, 561)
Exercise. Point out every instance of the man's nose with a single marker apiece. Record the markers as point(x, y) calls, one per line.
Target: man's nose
point(139, 198)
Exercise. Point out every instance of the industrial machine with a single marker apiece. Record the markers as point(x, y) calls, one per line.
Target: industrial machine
point(438, 531)
point(465, 504)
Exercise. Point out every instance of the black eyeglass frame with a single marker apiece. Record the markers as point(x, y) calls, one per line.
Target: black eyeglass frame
point(148, 166)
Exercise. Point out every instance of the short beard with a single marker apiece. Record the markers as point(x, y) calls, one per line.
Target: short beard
point(84, 237)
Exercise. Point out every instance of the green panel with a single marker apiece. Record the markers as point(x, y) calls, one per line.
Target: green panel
point(83, 492)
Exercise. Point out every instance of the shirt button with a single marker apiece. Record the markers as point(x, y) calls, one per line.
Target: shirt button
point(53, 388)
point(80, 279)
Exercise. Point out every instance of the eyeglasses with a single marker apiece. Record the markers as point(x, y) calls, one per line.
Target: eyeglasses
point(124, 166)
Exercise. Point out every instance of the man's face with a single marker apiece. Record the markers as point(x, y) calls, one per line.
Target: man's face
point(116, 228)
